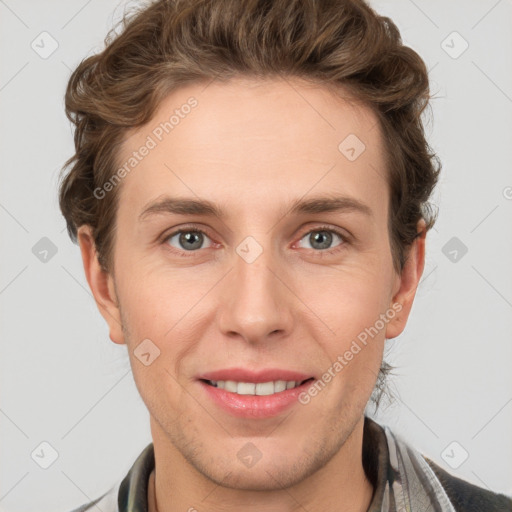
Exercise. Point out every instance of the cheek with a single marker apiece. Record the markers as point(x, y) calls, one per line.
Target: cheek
point(158, 338)
point(354, 307)
point(154, 295)
point(166, 309)
point(347, 300)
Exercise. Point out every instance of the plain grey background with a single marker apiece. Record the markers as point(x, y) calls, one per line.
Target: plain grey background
point(63, 382)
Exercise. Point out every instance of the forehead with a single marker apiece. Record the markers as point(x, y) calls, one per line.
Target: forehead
point(263, 140)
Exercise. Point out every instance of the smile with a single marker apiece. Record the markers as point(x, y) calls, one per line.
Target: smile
point(252, 388)
point(254, 399)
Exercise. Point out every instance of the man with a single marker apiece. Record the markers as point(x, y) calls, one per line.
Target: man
point(250, 195)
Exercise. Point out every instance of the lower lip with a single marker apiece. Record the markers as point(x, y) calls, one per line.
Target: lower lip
point(254, 406)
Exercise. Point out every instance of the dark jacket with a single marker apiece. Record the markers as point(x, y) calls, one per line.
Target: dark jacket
point(467, 497)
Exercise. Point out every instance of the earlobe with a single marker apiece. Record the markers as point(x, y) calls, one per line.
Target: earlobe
point(101, 284)
point(408, 283)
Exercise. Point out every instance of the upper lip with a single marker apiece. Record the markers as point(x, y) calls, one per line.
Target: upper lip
point(246, 375)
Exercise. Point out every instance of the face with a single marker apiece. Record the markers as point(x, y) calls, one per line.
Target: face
point(271, 275)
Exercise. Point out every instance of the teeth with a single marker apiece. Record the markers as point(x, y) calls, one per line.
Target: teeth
point(265, 388)
point(250, 388)
point(246, 388)
point(280, 385)
point(229, 385)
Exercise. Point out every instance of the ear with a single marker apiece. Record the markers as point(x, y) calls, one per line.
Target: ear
point(407, 283)
point(101, 284)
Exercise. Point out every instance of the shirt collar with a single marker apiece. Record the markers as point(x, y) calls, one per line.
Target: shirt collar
point(133, 490)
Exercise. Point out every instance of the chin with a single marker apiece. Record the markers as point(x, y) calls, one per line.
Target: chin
point(268, 477)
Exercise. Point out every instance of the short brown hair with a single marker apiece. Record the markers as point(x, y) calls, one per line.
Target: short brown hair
point(340, 44)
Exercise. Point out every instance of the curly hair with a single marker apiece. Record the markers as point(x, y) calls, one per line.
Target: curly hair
point(343, 45)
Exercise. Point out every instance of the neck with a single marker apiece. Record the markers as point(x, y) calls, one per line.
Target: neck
point(339, 486)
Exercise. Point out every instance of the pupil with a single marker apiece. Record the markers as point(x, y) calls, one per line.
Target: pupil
point(322, 235)
point(188, 239)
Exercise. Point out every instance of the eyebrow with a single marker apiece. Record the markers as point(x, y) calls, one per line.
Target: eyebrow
point(183, 206)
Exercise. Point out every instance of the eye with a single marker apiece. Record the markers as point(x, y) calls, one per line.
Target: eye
point(187, 239)
point(322, 239)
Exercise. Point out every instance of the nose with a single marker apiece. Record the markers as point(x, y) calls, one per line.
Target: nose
point(255, 304)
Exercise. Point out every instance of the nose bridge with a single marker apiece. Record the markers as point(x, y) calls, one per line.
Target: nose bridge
point(255, 305)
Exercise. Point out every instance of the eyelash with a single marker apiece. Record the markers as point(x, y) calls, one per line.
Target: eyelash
point(194, 229)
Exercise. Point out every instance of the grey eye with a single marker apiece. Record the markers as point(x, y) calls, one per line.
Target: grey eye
point(320, 239)
point(188, 240)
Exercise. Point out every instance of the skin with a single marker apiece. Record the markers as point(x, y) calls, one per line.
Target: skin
point(252, 147)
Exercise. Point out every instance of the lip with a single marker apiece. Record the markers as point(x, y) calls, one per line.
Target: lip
point(254, 406)
point(245, 375)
